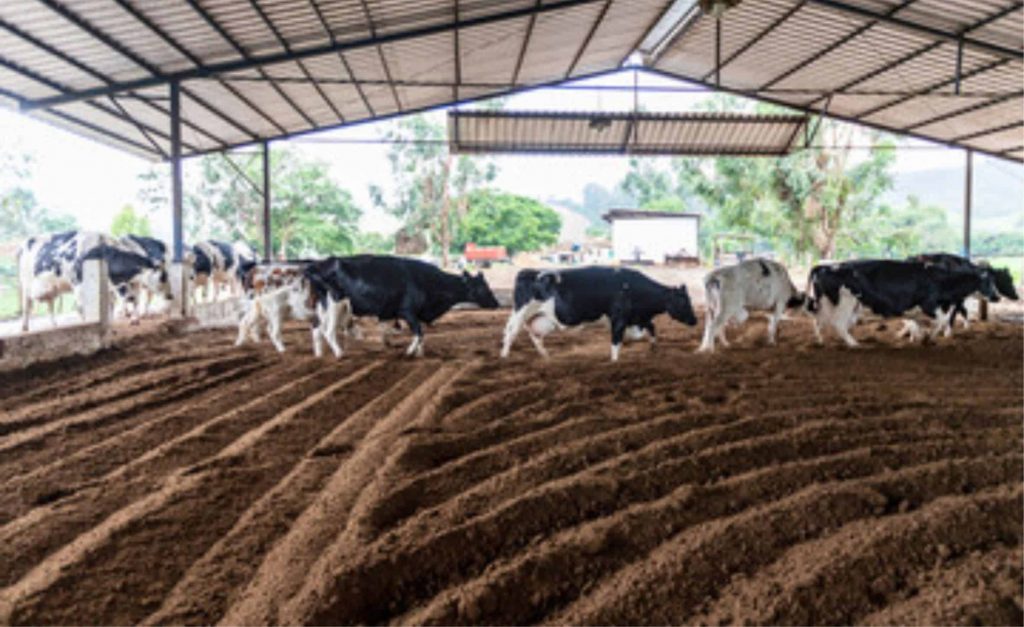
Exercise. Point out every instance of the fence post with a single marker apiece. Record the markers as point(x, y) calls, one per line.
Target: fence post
point(96, 293)
point(179, 274)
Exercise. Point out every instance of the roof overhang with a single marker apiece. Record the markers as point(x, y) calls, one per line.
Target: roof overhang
point(632, 133)
point(253, 70)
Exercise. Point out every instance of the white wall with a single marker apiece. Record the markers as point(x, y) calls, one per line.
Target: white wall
point(655, 237)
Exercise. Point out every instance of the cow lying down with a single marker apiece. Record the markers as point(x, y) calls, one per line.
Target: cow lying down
point(754, 284)
point(279, 290)
point(552, 299)
point(891, 289)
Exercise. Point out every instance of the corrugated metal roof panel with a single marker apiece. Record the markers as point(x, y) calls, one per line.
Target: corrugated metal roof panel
point(877, 61)
point(623, 133)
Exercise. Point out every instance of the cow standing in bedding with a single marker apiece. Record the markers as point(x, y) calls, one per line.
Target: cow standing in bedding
point(731, 292)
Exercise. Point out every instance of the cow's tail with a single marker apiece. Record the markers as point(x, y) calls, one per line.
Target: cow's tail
point(811, 296)
point(797, 298)
point(713, 297)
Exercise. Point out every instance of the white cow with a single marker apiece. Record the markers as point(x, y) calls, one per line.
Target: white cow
point(732, 291)
point(278, 290)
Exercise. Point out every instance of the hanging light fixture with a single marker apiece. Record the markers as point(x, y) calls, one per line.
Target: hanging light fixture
point(715, 8)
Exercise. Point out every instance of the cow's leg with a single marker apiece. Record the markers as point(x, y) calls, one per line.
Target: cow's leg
point(941, 321)
point(318, 341)
point(274, 330)
point(773, 322)
point(911, 330)
point(707, 343)
point(512, 327)
point(336, 313)
point(651, 335)
point(516, 320)
point(416, 346)
point(618, 333)
point(50, 307)
point(538, 328)
point(246, 324)
point(26, 309)
point(720, 334)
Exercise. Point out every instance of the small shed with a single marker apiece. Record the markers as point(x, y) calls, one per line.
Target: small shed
point(640, 236)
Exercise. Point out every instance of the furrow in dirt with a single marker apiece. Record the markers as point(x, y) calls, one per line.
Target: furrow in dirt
point(315, 540)
point(862, 567)
point(26, 540)
point(533, 584)
point(207, 503)
point(64, 402)
point(158, 391)
point(66, 474)
point(211, 583)
point(442, 553)
point(709, 556)
point(980, 588)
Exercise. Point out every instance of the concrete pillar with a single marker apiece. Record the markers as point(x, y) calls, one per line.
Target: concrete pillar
point(95, 292)
point(179, 274)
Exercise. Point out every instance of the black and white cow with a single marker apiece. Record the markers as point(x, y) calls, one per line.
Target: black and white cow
point(215, 265)
point(129, 273)
point(1001, 276)
point(51, 265)
point(547, 300)
point(890, 289)
point(396, 288)
point(758, 284)
point(152, 281)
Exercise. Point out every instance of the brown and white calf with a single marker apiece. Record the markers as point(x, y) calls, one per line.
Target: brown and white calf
point(732, 291)
point(279, 290)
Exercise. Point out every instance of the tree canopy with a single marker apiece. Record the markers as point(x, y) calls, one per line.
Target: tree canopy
point(310, 214)
point(515, 222)
point(20, 212)
point(128, 221)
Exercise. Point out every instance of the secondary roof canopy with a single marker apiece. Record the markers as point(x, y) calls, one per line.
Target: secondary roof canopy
point(261, 69)
point(636, 133)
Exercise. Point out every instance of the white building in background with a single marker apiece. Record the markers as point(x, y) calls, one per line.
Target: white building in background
point(654, 236)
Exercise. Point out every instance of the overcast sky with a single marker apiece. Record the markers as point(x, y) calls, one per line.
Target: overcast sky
point(91, 181)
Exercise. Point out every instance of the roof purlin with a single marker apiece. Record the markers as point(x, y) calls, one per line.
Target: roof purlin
point(249, 62)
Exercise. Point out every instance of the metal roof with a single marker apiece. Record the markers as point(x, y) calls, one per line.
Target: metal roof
point(260, 69)
point(250, 70)
point(645, 214)
point(636, 133)
point(946, 70)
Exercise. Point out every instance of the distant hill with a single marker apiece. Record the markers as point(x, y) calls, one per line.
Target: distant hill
point(998, 198)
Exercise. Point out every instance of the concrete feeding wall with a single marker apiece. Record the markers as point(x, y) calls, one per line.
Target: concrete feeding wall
point(652, 239)
point(19, 351)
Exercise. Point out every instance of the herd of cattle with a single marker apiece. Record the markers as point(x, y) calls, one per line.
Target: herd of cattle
point(331, 293)
point(50, 266)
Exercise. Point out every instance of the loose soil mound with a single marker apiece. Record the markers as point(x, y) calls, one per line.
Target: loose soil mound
point(179, 479)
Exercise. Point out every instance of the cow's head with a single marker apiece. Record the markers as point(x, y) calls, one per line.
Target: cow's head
point(679, 306)
point(1004, 282)
point(478, 291)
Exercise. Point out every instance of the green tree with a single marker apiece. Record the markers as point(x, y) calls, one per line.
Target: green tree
point(128, 221)
point(515, 222)
point(812, 203)
point(20, 212)
point(647, 183)
point(372, 242)
point(428, 182)
point(310, 213)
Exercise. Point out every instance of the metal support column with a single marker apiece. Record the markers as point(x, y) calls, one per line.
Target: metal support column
point(176, 204)
point(718, 52)
point(267, 252)
point(968, 184)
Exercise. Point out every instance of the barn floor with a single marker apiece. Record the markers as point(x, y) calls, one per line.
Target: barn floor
point(179, 479)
